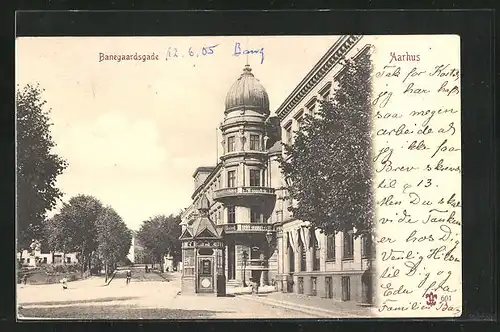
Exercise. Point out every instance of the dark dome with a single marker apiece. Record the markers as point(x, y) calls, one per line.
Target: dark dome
point(247, 92)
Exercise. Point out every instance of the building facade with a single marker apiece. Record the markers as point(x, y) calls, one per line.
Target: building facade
point(264, 242)
point(29, 258)
point(136, 254)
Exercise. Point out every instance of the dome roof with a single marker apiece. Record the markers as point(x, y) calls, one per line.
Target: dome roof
point(248, 92)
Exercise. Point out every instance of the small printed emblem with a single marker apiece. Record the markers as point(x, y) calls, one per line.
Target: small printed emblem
point(431, 298)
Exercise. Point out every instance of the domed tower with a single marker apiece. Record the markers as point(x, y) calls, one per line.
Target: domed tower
point(245, 190)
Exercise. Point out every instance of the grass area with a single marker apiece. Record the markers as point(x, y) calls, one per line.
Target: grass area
point(100, 300)
point(49, 274)
point(114, 312)
point(41, 278)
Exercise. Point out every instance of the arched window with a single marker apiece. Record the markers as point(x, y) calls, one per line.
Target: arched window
point(330, 247)
point(348, 245)
point(302, 255)
point(291, 257)
point(316, 251)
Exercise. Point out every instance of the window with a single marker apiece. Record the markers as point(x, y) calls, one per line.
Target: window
point(254, 178)
point(330, 247)
point(68, 259)
point(255, 214)
point(346, 288)
point(231, 179)
point(230, 144)
point(288, 134)
point(300, 119)
point(254, 142)
point(303, 257)
point(311, 105)
point(27, 260)
point(366, 246)
point(316, 257)
point(348, 245)
point(326, 95)
point(325, 91)
point(301, 285)
point(45, 260)
point(188, 262)
point(313, 286)
point(231, 214)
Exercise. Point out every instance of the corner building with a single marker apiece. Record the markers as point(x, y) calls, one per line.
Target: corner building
point(248, 200)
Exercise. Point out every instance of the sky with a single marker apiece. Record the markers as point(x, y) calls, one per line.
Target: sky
point(133, 132)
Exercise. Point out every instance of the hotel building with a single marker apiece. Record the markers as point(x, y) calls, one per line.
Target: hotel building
point(248, 200)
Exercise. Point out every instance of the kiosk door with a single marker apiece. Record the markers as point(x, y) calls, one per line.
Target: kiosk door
point(206, 274)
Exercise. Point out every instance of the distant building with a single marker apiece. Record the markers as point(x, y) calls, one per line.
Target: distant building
point(248, 200)
point(30, 258)
point(136, 252)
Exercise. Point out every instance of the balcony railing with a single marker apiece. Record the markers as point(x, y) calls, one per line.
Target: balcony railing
point(243, 191)
point(247, 228)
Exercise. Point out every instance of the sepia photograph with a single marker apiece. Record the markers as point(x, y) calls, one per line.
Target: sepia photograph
point(238, 177)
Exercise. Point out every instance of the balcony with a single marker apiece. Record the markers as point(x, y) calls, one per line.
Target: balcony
point(246, 228)
point(241, 192)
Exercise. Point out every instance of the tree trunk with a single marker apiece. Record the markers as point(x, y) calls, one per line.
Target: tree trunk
point(105, 272)
point(82, 263)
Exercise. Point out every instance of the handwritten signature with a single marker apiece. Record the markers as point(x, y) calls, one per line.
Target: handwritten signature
point(241, 51)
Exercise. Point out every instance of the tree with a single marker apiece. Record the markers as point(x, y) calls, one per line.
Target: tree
point(74, 228)
point(114, 238)
point(57, 235)
point(159, 236)
point(328, 166)
point(37, 166)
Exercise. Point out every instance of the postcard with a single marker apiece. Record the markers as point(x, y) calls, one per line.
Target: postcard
point(238, 177)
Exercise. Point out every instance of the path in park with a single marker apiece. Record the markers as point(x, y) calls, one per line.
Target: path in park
point(139, 275)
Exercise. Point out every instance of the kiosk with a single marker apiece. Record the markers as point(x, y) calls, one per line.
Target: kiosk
point(203, 253)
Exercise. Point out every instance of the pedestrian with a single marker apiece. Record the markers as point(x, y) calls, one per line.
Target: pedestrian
point(25, 279)
point(64, 282)
point(129, 276)
point(255, 286)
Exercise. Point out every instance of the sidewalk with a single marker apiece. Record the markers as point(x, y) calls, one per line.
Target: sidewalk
point(325, 308)
point(248, 290)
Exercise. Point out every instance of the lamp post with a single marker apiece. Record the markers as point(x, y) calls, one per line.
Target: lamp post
point(245, 258)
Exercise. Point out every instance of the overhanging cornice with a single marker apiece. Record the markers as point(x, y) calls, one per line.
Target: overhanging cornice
point(337, 52)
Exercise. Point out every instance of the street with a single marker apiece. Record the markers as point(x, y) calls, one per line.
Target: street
point(91, 299)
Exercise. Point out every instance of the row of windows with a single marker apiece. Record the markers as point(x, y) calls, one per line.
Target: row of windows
point(255, 214)
point(44, 260)
point(254, 178)
point(348, 253)
point(254, 143)
point(311, 107)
